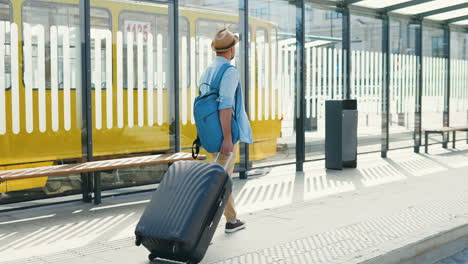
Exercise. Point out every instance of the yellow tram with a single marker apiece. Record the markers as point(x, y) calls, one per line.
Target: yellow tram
point(40, 92)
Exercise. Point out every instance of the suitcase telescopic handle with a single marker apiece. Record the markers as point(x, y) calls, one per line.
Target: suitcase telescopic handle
point(227, 161)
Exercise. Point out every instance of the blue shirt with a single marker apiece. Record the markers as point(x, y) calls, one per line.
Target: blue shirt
point(230, 95)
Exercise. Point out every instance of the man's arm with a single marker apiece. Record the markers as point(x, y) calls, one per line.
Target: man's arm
point(227, 92)
point(225, 116)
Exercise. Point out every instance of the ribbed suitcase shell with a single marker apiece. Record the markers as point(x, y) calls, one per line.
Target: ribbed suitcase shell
point(180, 221)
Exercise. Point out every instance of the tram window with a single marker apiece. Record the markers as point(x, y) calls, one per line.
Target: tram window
point(100, 22)
point(261, 38)
point(59, 14)
point(100, 18)
point(157, 25)
point(66, 19)
point(5, 15)
point(184, 34)
point(208, 28)
point(5, 10)
point(275, 64)
point(261, 35)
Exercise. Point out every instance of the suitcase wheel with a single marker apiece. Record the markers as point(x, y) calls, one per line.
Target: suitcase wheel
point(152, 256)
point(138, 241)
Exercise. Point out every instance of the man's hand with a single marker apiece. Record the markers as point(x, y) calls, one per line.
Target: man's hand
point(226, 147)
point(225, 119)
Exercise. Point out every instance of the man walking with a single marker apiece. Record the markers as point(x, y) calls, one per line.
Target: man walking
point(230, 104)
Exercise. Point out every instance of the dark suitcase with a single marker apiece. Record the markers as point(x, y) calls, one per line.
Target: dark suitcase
point(181, 219)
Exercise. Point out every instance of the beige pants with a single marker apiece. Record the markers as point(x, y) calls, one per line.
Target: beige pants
point(230, 211)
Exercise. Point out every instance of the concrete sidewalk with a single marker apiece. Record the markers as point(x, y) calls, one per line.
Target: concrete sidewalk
point(318, 216)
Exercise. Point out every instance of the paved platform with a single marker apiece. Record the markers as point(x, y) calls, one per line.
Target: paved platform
point(460, 257)
point(318, 216)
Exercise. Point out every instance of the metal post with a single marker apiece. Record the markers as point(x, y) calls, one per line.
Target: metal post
point(87, 123)
point(454, 139)
point(386, 86)
point(300, 77)
point(419, 89)
point(97, 187)
point(174, 72)
point(347, 49)
point(244, 22)
point(446, 117)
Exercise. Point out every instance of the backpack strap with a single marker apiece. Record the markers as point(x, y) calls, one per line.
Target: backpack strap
point(196, 148)
point(219, 75)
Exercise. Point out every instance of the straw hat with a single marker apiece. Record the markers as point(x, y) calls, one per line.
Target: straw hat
point(224, 40)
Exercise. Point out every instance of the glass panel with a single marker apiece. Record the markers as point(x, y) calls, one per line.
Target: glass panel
point(459, 79)
point(434, 82)
point(403, 81)
point(40, 109)
point(463, 22)
point(429, 6)
point(132, 92)
point(366, 79)
point(449, 15)
point(324, 55)
point(380, 3)
point(272, 81)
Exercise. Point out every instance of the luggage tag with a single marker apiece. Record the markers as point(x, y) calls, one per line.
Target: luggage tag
point(227, 162)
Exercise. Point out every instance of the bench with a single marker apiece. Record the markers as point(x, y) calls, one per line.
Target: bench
point(442, 132)
point(94, 167)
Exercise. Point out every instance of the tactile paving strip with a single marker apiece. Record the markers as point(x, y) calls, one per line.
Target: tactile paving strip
point(333, 245)
point(328, 247)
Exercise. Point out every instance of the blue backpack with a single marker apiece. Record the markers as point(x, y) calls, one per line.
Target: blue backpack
point(205, 108)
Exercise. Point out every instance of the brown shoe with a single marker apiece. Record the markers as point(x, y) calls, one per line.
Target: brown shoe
point(231, 228)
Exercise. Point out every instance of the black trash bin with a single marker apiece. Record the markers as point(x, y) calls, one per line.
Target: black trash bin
point(341, 119)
